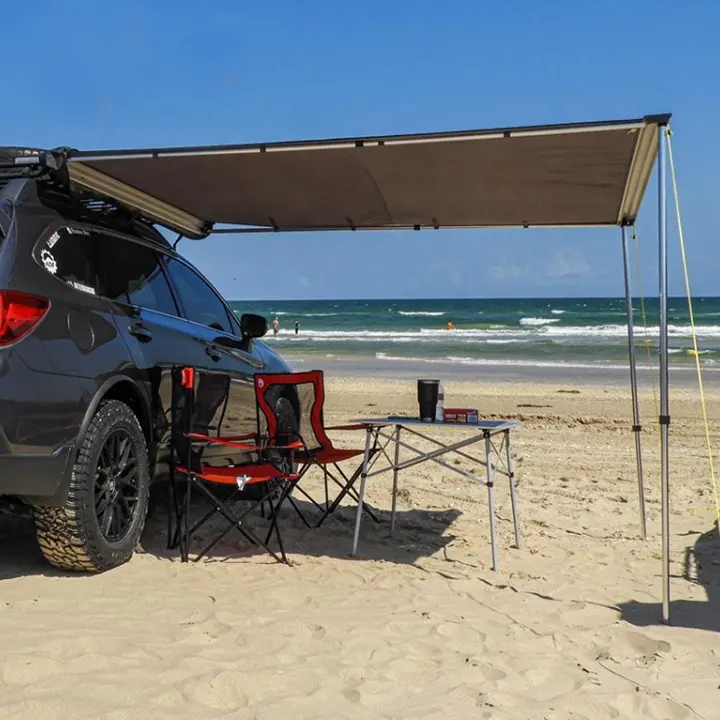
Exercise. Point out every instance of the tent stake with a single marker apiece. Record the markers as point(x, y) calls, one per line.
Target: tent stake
point(664, 419)
point(637, 428)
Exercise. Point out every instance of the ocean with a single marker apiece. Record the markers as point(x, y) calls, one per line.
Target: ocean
point(571, 333)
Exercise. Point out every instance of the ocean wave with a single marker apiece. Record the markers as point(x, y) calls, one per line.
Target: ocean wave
point(558, 312)
point(518, 362)
point(538, 321)
point(551, 333)
point(620, 330)
point(420, 313)
point(459, 360)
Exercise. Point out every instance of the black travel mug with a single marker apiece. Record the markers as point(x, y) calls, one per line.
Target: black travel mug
point(427, 391)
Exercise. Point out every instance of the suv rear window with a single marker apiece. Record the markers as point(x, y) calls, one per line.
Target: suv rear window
point(68, 254)
point(100, 263)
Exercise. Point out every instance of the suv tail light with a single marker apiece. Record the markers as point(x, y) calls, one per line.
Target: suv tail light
point(19, 314)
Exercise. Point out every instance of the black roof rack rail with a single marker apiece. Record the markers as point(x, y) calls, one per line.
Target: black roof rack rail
point(20, 162)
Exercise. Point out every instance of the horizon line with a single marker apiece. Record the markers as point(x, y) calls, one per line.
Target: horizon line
point(425, 299)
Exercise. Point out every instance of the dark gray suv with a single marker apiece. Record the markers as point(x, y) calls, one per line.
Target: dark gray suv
point(96, 308)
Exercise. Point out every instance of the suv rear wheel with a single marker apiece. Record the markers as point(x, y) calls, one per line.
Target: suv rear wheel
point(100, 524)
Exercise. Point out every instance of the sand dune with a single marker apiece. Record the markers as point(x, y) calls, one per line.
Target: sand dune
point(417, 626)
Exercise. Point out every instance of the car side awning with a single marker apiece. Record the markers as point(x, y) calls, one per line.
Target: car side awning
point(586, 174)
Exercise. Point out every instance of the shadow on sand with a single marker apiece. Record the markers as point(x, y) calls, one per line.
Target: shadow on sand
point(418, 533)
point(701, 567)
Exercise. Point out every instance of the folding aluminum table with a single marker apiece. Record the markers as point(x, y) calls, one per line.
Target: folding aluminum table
point(488, 432)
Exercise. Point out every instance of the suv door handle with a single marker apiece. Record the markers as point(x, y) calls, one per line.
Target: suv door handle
point(141, 332)
point(213, 352)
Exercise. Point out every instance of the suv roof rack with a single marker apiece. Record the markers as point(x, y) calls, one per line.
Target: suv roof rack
point(100, 211)
point(86, 201)
point(19, 162)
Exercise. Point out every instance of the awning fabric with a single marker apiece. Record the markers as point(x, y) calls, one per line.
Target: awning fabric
point(589, 174)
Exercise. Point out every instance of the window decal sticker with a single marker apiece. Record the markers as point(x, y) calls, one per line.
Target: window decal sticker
point(49, 261)
point(83, 288)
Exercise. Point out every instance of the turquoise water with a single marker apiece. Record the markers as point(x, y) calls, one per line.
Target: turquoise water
point(573, 332)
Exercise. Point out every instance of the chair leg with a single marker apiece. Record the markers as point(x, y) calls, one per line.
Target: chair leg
point(274, 524)
point(299, 512)
point(172, 508)
point(327, 496)
point(352, 492)
point(304, 493)
point(235, 523)
point(347, 488)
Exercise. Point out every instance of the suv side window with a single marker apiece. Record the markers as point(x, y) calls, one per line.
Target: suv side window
point(199, 301)
point(132, 273)
point(69, 254)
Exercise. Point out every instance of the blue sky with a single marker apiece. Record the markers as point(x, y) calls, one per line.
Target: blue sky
point(176, 72)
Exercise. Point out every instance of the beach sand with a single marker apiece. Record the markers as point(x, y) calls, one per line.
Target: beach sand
point(417, 626)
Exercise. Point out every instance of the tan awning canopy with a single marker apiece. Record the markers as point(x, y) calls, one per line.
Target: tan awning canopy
point(588, 174)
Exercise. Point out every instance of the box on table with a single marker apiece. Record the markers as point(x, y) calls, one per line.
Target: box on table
point(461, 415)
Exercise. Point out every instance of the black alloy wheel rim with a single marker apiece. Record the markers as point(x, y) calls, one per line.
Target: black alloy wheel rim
point(117, 485)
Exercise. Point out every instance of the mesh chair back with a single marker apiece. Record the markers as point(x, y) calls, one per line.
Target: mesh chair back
point(310, 390)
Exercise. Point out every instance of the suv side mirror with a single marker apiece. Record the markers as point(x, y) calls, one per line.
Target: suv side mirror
point(253, 326)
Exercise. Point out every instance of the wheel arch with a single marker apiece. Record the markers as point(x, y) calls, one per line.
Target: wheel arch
point(119, 387)
point(127, 390)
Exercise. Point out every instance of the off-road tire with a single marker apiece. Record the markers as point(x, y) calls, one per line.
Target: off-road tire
point(70, 537)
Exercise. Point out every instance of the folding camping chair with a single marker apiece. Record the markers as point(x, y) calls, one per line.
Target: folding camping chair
point(316, 447)
point(267, 480)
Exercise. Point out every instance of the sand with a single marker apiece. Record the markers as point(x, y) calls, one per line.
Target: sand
point(417, 626)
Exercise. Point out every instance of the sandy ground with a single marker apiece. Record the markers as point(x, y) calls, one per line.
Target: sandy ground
point(417, 626)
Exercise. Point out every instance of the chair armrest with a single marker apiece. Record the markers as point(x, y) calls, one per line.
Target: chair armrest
point(346, 427)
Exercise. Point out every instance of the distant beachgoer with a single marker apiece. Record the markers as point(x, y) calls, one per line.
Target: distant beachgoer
point(297, 327)
point(276, 326)
point(450, 325)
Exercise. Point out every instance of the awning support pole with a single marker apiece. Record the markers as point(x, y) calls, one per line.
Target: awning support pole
point(637, 428)
point(664, 419)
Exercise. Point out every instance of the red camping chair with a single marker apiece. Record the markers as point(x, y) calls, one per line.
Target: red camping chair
point(317, 448)
point(267, 479)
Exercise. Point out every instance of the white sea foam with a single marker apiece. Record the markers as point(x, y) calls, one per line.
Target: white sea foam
point(459, 360)
point(420, 313)
point(538, 321)
point(552, 333)
point(558, 312)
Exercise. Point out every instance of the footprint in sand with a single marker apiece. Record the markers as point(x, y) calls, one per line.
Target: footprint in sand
point(352, 695)
point(221, 691)
point(318, 632)
point(632, 646)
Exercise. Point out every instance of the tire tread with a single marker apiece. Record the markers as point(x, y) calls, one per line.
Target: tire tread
point(62, 531)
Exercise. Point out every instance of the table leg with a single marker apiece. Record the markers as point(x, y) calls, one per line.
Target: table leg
point(511, 476)
point(491, 498)
point(395, 479)
point(363, 478)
